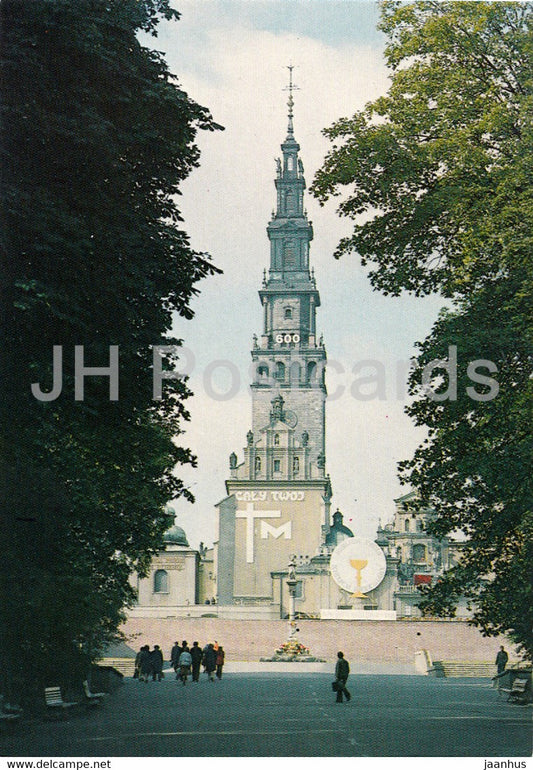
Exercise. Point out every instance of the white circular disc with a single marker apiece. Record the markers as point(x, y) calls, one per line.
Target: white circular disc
point(358, 556)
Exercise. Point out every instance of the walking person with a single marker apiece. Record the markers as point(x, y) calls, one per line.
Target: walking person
point(196, 655)
point(145, 663)
point(206, 647)
point(220, 661)
point(501, 659)
point(210, 662)
point(175, 656)
point(137, 671)
point(156, 661)
point(185, 663)
point(342, 671)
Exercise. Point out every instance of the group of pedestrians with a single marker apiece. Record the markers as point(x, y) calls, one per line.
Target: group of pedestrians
point(149, 664)
point(184, 660)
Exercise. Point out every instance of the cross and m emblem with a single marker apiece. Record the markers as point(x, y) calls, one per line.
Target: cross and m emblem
point(250, 514)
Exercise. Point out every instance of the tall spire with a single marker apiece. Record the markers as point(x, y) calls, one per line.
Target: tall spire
point(290, 102)
point(289, 230)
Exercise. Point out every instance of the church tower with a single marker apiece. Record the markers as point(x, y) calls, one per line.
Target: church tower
point(288, 360)
point(278, 499)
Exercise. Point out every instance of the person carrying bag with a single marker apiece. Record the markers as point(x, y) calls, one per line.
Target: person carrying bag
point(342, 671)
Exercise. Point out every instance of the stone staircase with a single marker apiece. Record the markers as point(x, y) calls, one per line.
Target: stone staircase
point(126, 666)
point(445, 668)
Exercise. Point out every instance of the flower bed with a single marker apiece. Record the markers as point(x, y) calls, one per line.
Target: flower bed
point(292, 647)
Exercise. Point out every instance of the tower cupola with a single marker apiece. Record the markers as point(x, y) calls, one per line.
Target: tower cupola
point(289, 231)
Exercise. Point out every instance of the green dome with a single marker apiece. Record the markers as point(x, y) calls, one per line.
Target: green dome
point(176, 536)
point(338, 531)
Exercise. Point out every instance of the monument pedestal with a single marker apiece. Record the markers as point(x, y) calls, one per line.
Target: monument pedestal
point(292, 651)
point(292, 659)
point(357, 614)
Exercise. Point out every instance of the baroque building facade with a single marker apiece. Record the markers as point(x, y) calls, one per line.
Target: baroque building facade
point(172, 580)
point(421, 558)
point(182, 581)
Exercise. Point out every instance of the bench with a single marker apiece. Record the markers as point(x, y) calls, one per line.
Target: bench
point(9, 719)
point(55, 702)
point(8, 714)
point(518, 691)
point(92, 698)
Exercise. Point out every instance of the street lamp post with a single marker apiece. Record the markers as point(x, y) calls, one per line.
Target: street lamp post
point(291, 584)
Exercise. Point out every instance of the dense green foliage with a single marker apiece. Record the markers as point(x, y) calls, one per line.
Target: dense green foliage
point(96, 138)
point(436, 176)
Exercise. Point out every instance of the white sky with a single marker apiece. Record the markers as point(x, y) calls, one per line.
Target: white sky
point(231, 57)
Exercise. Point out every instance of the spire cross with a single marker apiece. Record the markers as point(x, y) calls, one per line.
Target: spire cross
point(290, 88)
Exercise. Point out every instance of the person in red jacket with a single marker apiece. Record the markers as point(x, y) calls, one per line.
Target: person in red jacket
point(220, 662)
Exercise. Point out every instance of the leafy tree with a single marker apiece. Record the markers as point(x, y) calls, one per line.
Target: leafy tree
point(436, 176)
point(473, 467)
point(97, 136)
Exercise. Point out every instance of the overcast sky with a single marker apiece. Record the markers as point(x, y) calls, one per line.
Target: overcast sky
point(232, 56)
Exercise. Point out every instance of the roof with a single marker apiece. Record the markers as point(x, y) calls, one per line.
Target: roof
point(176, 536)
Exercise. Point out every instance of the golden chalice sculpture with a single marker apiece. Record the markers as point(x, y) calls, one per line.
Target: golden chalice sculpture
point(358, 565)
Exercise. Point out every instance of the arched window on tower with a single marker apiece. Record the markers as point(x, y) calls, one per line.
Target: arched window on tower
point(290, 201)
point(312, 373)
point(258, 465)
point(290, 163)
point(407, 526)
point(295, 373)
point(262, 372)
point(280, 370)
point(276, 439)
point(288, 312)
point(289, 254)
point(161, 581)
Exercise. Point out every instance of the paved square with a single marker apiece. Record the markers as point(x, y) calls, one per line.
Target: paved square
point(287, 715)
